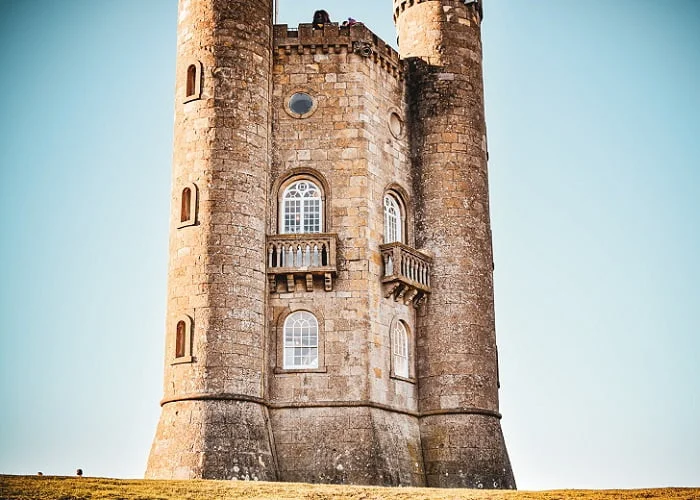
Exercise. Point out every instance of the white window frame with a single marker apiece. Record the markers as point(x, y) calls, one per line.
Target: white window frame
point(393, 219)
point(306, 197)
point(300, 333)
point(400, 350)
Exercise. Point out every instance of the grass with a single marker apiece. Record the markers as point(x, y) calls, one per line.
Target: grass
point(71, 488)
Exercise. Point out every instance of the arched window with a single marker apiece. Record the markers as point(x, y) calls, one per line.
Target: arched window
point(302, 208)
point(393, 222)
point(182, 348)
point(180, 333)
point(185, 204)
point(300, 341)
point(191, 80)
point(399, 340)
point(188, 206)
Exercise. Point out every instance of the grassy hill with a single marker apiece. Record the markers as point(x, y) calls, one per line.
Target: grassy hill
point(70, 488)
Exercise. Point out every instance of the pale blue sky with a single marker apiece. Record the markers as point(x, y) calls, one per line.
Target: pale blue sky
point(593, 111)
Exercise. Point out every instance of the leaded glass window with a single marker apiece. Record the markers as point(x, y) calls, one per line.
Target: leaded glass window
point(400, 350)
point(300, 341)
point(392, 220)
point(302, 210)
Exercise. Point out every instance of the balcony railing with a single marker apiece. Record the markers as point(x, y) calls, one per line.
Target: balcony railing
point(406, 272)
point(307, 255)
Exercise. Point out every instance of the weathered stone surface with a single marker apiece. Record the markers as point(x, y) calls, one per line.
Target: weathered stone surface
point(457, 363)
point(378, 124)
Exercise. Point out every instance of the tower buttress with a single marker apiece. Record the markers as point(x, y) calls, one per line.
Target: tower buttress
point(460, 429)
point(214, 423)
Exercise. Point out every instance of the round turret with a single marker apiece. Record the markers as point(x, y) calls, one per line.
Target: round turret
point(440, 40)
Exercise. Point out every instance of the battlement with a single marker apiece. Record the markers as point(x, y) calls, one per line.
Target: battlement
point(473, 5)
point(333, 38)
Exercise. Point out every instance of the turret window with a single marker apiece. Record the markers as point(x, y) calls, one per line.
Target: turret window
point(302, 208)
point(180, 333)
point(193, 81)
point(185, 212)
point(182, 340)
point(188, 206)
point(301, 341)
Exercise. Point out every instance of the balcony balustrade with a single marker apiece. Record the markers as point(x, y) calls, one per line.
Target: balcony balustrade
point(406, 273)
point(307, 255)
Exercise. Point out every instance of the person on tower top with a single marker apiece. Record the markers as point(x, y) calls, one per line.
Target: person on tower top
point(321, 17)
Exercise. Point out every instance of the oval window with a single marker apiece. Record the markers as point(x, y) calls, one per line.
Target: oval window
point(395, 125)
point(301, 104)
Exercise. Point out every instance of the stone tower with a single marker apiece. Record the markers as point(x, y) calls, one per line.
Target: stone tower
point(330, 298)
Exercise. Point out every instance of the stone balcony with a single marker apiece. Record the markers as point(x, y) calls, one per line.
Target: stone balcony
point(406, 273)
point(305, 255)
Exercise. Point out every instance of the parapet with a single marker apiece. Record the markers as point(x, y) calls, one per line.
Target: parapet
point(333, 38)
point(475, 5)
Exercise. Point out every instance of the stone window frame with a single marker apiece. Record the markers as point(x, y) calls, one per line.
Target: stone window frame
point(411, 347)
point(404, 201)
point(194, 71)
point(401, 134)
point(191, 207)
point(279, 337)
point(188, 340)
point(301, 90)
point(285, 180)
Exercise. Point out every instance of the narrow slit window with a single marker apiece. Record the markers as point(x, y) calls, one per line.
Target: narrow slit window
point(191, 80)
point(188, 206)
point(185, 209)
point(180, 337)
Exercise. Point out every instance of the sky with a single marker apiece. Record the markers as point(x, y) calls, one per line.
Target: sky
point(593, 113)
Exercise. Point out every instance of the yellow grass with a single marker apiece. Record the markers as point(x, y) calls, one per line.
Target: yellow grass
point(68, 488)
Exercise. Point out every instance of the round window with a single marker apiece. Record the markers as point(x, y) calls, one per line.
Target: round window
point(395, 125)
point(301, 104)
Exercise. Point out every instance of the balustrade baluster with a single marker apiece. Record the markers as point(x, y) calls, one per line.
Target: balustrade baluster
point(289, 262)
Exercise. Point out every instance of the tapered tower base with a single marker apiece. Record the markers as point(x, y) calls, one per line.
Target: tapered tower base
point(465, 451)
point(212, 440)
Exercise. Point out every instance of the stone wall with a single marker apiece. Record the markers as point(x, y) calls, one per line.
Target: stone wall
point(345, 144)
